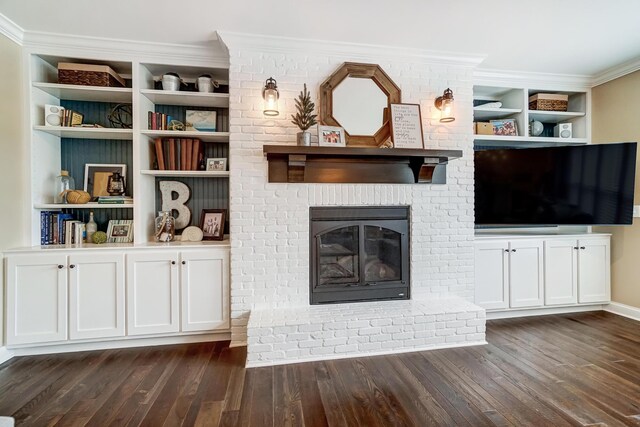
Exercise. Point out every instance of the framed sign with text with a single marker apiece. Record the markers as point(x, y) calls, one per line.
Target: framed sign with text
point(406, 126)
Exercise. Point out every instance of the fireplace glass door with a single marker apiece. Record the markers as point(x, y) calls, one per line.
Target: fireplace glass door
point(339, 255)
point(382, 255)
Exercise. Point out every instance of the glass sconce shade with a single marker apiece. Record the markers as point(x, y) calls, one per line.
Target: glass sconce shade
point(270, 95)
point(444, 103)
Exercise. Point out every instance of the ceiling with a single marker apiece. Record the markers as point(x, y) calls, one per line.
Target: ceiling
point(583, 37)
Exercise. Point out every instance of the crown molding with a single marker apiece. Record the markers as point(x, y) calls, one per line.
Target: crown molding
point(616, 72)
point(10, 29)
point(531, 79)
point(354, 51)
point(211, 53)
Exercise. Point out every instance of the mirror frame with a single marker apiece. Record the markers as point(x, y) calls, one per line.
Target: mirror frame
point(363, 71)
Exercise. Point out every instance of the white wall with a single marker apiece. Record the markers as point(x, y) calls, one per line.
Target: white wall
point(14, 189)
point(269, 222)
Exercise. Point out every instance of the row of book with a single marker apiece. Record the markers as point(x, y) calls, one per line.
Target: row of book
point(178, 154)
point(114, 200)
point(159, 121)
point(57, 228)
point(69, 118)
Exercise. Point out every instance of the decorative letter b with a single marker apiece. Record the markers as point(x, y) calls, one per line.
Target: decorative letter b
point(167, 188)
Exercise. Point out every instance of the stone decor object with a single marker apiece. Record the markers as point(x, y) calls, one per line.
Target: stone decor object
point(192, 234)
point(167, 190)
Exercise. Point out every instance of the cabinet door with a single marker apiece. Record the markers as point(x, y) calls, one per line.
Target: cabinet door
point(560, 271)
point(491, 279)
point(36, 298)
point(594, 279)
point(525, 273)
point(152, 293)
point(205, 289)
point(96, 295)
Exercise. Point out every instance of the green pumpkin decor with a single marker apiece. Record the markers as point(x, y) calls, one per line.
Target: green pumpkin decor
point(99, 237)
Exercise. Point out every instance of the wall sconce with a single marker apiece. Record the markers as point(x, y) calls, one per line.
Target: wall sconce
point(444, 103)
point(270, 95)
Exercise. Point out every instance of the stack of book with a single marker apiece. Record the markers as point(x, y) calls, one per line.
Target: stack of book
point(71, 118)
point(159, 121)
point(57, 228)
point(178, 154)
point(114, 200)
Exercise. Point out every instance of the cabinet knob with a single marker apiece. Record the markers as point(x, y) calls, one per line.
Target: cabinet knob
point(576, 248)
point(582, 247)
point(72, 266)
point(506, 250)
point(173, 263)
point(60, 266)
point(184, 262)
point(513, 250)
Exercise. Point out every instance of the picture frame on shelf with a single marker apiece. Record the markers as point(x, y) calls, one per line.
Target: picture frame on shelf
point(202, 121)
point(406, 126)
point(120, 231)
point(212, 223)
point(96, 177)
point(216, 164)
point(504, 127)
point(331, 136)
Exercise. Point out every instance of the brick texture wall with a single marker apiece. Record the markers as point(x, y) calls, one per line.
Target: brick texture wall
point(270, 222)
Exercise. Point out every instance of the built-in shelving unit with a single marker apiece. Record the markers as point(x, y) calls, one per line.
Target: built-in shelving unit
point(222, 137)
point(482, 114)
point(196, 174)
point(86, 133)
point(86, 93)
point(188, 99)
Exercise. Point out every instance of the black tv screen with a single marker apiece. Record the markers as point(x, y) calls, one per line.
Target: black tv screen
point(579, 185)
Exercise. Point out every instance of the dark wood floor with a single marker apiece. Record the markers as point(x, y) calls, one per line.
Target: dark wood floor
point(581, 369)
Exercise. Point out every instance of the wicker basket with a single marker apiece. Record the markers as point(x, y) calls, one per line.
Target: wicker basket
point(549, 102)
point(88, 75)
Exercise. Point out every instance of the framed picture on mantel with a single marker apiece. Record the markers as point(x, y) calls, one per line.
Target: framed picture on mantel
point(406, 126)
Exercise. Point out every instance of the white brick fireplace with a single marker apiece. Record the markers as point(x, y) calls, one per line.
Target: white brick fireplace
point(270, 222)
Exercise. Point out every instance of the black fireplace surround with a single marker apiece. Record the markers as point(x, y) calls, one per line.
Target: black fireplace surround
point(359, 254)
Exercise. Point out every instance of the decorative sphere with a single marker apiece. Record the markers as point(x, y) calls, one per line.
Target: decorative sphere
point(536, 128)
point(78, 197)
point(99, 237)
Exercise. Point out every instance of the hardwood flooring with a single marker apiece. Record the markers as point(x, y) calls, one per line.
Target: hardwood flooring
point(561, 370)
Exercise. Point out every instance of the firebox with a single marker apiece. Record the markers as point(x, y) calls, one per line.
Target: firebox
point(359, 254)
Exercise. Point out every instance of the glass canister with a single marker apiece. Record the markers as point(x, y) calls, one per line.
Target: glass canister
point(64, 184)
point(165, 227)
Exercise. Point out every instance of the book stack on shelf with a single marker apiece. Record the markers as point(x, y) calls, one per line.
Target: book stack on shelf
point(57, 228)
point(114, 200)
point(159, 121)
point(182, 154)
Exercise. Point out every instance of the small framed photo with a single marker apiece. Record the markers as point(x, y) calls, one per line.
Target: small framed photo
point(212, 224)
point(331, 136)
point(203, 121)
point(217, 164)
point(505, 127)
point(96, 177)
point(120, 231)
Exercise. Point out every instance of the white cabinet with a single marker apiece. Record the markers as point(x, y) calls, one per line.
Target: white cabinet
point(561, 271)
point(96, 295)
point(152, 293)
point(508, 274)
point(525, 273)
point(594, 278)
point(204, 286)
point(491, 274)
point(36, 299)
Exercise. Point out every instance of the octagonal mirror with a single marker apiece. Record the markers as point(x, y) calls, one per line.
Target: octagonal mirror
point(357, 97)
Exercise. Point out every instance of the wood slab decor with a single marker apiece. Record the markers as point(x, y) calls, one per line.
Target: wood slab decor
point(354, 165)
point(364, 71)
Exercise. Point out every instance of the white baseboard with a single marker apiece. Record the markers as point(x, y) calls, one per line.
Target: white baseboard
point(5, 355)
point(623, 310)
point(260, 364)
point(508, 314)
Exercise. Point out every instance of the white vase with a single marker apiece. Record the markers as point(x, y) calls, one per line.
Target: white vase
point(304, 138)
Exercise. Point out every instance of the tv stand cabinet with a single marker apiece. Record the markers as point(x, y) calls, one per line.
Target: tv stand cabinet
point(520, 274)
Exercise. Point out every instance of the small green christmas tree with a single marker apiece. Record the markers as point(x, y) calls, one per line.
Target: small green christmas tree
point(304, 118)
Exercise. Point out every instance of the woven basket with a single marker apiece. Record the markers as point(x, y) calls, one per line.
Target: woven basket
point(548, 105)
point(88, 75)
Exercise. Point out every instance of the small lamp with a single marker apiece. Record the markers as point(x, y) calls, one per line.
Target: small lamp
point(115, 184)
point(270, 95)
point(444, 103)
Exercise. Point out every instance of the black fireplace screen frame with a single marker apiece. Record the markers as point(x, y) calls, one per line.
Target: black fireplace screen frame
point(391, 219)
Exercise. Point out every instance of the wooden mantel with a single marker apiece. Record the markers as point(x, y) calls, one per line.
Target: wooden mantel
point(354, 165)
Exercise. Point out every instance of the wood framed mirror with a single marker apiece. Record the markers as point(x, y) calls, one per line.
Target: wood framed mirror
point(358, 97)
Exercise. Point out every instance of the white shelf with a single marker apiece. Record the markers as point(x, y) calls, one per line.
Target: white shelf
point(86, 93)
point(189, 99)
point(198, 174)
point(83, 206)
point(480, 113)
point(528, 140)
point(202, 136)
point(553, 116)
point(87, 133)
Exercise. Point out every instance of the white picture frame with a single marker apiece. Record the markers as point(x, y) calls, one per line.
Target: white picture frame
point(406, 126)
point(216, 164)
point(90, 170)
point(331, 136)
point(120, 231)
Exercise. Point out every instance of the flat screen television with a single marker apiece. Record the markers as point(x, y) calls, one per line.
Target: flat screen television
point(578, 185)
